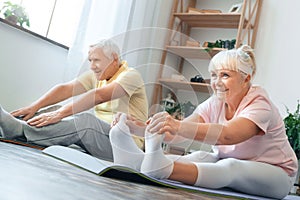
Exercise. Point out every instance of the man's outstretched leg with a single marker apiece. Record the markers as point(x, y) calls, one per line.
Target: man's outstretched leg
point(83, 129)
point(10, 127)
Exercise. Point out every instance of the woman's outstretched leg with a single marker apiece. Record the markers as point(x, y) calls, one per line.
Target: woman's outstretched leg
point(155, 163)
point(125, 150)
point(251, 177)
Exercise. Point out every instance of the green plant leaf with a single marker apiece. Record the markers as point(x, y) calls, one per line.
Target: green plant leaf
point(292, 127)
point(10, 9)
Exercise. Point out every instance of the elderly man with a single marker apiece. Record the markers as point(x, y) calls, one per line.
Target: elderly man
point(110, 87)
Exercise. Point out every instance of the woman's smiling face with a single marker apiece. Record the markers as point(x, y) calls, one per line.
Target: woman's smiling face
point(227, 84)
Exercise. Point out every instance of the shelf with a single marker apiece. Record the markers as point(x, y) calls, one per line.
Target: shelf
point(210, 20)
point(183, 85)
point(193, 52)
point(244, 23)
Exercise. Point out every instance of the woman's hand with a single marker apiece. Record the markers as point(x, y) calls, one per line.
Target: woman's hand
point(136, 127)
point(45, 119)
point(164, 123)
point(116, 119)
point(25, 113)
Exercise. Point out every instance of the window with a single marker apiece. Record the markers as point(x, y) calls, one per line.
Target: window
point(53, 19)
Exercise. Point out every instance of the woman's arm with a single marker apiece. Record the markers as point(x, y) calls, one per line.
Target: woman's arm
point(236, 131)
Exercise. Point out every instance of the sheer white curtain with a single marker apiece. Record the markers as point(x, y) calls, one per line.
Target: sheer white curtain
point(137, 26)
point(99, 19)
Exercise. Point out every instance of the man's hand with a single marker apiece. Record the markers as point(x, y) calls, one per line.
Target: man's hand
point(45, 119)
point(25, 113)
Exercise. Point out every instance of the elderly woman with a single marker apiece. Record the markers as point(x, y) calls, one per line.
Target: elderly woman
point(253, 153)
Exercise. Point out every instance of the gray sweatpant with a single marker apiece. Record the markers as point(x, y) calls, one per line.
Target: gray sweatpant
point(84, 130)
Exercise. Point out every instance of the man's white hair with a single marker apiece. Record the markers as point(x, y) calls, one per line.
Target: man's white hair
point(108, 47)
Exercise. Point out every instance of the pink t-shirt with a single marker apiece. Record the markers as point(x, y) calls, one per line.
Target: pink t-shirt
point(272, 147)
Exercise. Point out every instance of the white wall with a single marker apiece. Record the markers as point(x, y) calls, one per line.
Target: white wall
point(29, 67)
point(276, 48)
point(277, 52)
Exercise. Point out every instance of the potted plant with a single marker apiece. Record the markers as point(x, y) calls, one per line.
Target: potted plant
point(15, 13)
point(181, 110)
point(292, 126)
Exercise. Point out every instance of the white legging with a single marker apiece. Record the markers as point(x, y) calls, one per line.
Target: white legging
point(250, 177)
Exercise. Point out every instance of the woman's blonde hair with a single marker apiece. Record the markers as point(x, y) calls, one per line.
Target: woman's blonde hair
point(240, 60)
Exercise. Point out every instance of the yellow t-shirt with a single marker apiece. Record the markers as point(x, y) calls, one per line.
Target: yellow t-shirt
point(134, 103)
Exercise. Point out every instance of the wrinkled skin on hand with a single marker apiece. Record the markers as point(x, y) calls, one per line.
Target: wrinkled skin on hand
point(45, 119)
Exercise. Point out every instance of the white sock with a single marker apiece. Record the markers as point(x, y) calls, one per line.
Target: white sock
point(155, 163)
point(125, 150)
point(10, 127)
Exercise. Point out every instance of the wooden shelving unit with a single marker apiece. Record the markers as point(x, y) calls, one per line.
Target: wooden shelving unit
point(184, 85)
point(210, 20)
point(193, 52)
point(245, 22)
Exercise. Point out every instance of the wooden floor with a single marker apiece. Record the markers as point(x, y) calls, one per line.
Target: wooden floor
point(26, 173)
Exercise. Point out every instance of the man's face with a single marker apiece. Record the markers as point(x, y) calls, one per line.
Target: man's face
point(102, 66)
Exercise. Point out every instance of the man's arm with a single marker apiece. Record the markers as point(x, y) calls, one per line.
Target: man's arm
point(55, 95)
point(85, 102)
